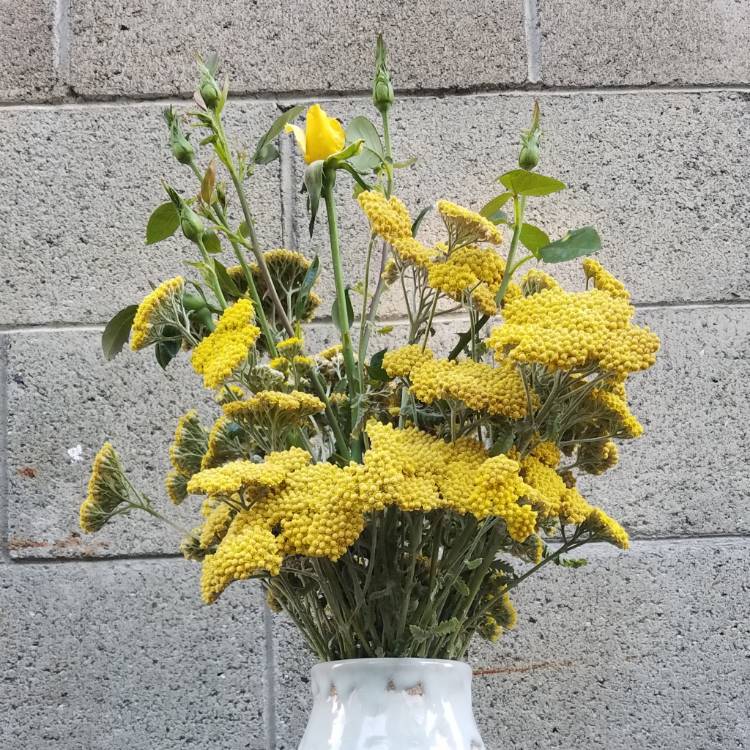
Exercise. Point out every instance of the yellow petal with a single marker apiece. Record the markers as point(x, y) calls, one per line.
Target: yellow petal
point(299, 136)
point(325, 135)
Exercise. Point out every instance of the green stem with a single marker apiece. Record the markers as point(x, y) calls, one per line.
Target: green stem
point(388, 151)
point(519, 205)
point(363, 337)
point(343, 314)
point(429, 321)
point(255, 247)
point(214, 280)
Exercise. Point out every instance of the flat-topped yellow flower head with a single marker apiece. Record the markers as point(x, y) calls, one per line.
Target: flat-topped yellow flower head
point(322, 137)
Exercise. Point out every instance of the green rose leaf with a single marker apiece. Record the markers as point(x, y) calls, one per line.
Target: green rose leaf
point(304, 291)
point(574, 244)
point(521, 182)
point(418, 221)
point(117, 331)
point(267, 154)
point(226, 282)
point(211, 242)
point(533, 238)
point(371, 155)
point(349, 310)
point(375, 368)
point(491, 209)
point(162, 223)
point(313, 180)
point(503, 442)
point(166, 351)
point(263, 154)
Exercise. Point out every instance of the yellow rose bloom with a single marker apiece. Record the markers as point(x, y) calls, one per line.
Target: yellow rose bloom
point(322, 137)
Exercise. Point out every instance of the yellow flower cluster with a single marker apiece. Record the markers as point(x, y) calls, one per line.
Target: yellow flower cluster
point(466, 227)
point(398, 363)
point(388, 217)
point(554, 499)
point(534, 281)
point(107, 490)
point(235, 476)
point(496, 390)
point(186, 455)
point(596, 457)
point(547, 452)
point(288, 506)
point(330, 352)
point(628, 426)
point(501, 614)
point(158, 309)
point(222, 444)
point(189, 444)
point(606, 528)
point(227, 347)
point(604, 280)
point(567, 330)
point(246, 550)
point(413, 252)
point(218, 516)
point(550, 490)
point(287, 269)
point(291, 347)
point(276, 408)
point(176, 485)
point(469, 271)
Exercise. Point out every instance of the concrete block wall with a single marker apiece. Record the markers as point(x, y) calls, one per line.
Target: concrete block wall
point(103, 641)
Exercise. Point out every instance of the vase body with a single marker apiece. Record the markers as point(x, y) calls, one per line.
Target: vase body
point(391, 704)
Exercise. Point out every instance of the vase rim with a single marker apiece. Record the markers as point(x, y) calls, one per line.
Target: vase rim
point(391, 661)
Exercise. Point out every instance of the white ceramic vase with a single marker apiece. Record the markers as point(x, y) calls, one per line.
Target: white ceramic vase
point(391, 704)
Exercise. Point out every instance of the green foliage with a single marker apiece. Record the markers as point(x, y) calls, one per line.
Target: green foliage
point(574, 244)
point(343, 324)
point(371, 155)
point(533, 238)
point(265, 150)
point(117, 331)
point(163, 222)
point(522, 182)
point(492, 210)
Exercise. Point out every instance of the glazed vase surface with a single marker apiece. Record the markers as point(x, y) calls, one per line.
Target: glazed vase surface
point(391, 704)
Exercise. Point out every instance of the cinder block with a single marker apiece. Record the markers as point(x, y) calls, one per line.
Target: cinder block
point(688, 473)
point(27, 59)
point(638, 649)
point(123, 655)
point(62, 394)
point(640, 43)
point(659, 175)
point(78, 186)
point(268, 46)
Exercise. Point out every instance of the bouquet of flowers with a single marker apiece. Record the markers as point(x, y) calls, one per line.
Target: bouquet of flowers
point(388, 499)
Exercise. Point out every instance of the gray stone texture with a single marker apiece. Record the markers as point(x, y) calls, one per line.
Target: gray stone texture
point(662, 177)
point(27, 50)
point(79, 185)
point(63, 394)
point(646, 648)
point(688, 473)
point(637, 43)
point(115, 655)
point(143, 48)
